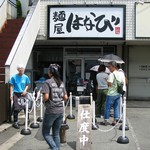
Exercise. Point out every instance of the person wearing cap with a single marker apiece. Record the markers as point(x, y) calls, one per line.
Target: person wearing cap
point(54, 94)
point(18, 87)
point(113, 97)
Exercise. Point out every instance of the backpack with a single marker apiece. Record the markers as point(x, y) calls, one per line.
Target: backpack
point(119, 86)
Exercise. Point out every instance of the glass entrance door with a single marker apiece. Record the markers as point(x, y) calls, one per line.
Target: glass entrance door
point(78, 61)
point(88, 64)
point(74, 72)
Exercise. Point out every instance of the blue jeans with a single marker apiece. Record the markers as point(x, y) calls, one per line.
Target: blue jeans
point(112, 101)
point(52, 121)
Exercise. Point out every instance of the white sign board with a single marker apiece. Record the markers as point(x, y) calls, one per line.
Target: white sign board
point(86, 22)
point(84, 125)
point(142, 20)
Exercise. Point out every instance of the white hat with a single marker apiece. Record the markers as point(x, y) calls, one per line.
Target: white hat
point(20, 66)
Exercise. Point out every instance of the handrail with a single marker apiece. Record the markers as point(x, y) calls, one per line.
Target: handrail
point(22, 43)
point(2, 3)
point(12, 3)
point(19, 38)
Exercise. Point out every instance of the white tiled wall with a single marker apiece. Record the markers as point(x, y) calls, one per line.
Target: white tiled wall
point(130, 13)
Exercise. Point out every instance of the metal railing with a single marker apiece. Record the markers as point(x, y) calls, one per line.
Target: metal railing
point(22, 44)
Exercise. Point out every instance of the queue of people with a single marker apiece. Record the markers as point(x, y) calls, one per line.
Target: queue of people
point(107, 94)
point(54, 93)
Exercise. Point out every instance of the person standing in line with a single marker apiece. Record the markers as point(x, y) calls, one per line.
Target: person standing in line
point(54, 93)
point(122, 74)
point(19, 84)
point(102, 90)
point(113, 97)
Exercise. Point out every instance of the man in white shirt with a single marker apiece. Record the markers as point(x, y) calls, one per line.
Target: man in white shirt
point(113, 97)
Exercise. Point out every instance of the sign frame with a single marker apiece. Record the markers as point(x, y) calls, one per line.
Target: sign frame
point(86, 6)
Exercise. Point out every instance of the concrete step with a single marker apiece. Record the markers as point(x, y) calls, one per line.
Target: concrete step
point(2, 69)
point(16, 21)
point(2, 77)
point(4, 50)
point(11, 31)
point(9, 35)
point(7, 40)
point(6, 46)
point(3, 56)
point(2, 63)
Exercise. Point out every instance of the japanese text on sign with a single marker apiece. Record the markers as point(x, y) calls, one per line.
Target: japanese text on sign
point(86, 22)
point(84, 127)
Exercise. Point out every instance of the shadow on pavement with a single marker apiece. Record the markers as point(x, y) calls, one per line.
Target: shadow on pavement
point(72, 145)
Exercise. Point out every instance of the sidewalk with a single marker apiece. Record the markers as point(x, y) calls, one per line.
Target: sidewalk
point(100, 140)
point(138, 120)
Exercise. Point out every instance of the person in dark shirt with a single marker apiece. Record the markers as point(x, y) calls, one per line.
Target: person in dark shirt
point(54, 94)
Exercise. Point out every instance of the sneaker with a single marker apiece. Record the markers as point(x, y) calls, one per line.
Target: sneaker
point(113, 123)
point(16, 125)
point(105, 123)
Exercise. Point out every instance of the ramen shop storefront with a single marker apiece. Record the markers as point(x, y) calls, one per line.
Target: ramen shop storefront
point(88, 30)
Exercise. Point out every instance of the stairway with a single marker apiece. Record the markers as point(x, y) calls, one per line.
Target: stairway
point(7, 38)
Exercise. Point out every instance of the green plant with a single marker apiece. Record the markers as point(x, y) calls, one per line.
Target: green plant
point(19, 9)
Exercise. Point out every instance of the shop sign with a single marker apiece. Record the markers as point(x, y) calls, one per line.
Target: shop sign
point(84, 127)
point(86, 22)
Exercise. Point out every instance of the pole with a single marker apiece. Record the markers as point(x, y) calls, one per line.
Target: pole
point(94, 125)
point(91, 98)
point(40, 119)
point(123, 139)
point(26, 117)
point(93, 113)
point(70, 116)
point(41, 106)
point(64, 111)
point(124, 118)
point(35, 124)
point(120, 108)
point(26, 130)
point(70, 103)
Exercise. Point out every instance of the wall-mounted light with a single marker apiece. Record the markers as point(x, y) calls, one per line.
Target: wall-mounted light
point(140, 2)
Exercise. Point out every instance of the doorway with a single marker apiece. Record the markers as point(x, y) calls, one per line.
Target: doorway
point(78, 61)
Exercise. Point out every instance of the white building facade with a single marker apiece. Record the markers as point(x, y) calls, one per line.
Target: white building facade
point(75, 33)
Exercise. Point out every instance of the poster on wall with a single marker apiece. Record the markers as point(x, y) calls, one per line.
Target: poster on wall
point(86, 22)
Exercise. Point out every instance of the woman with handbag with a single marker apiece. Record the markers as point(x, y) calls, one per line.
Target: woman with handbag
point(54, 93)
